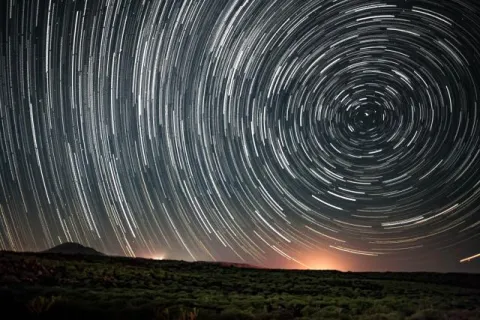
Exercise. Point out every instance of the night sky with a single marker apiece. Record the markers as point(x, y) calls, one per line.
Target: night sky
point(295, 134)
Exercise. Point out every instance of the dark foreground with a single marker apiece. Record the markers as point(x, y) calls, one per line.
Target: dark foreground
point(52, 286)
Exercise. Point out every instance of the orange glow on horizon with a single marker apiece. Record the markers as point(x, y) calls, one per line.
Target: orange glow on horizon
point(322, 261)
point(159, 257)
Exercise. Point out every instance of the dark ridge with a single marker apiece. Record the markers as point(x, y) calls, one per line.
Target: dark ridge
point(73, 248)
point(238, 265)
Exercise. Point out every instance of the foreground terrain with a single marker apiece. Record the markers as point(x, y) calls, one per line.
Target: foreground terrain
point(56, 286)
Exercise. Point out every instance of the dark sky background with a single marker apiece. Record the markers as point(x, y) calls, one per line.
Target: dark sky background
point(293, 134)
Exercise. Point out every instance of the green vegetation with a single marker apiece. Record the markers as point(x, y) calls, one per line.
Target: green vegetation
point(53, 286)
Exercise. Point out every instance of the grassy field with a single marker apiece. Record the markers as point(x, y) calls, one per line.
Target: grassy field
point(53, 286)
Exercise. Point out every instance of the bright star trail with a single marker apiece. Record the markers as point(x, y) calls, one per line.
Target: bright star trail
point(470, 258)
point(300, 134)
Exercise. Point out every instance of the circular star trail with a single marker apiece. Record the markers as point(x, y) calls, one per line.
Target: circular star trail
point(241, 130)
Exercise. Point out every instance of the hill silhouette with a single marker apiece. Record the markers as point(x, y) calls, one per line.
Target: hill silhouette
point(74, 248)
point(238, 265)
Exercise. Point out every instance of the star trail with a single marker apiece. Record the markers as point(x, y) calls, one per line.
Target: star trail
point(301, 134)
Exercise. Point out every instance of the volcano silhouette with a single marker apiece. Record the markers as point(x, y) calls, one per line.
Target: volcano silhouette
point(74, 248)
